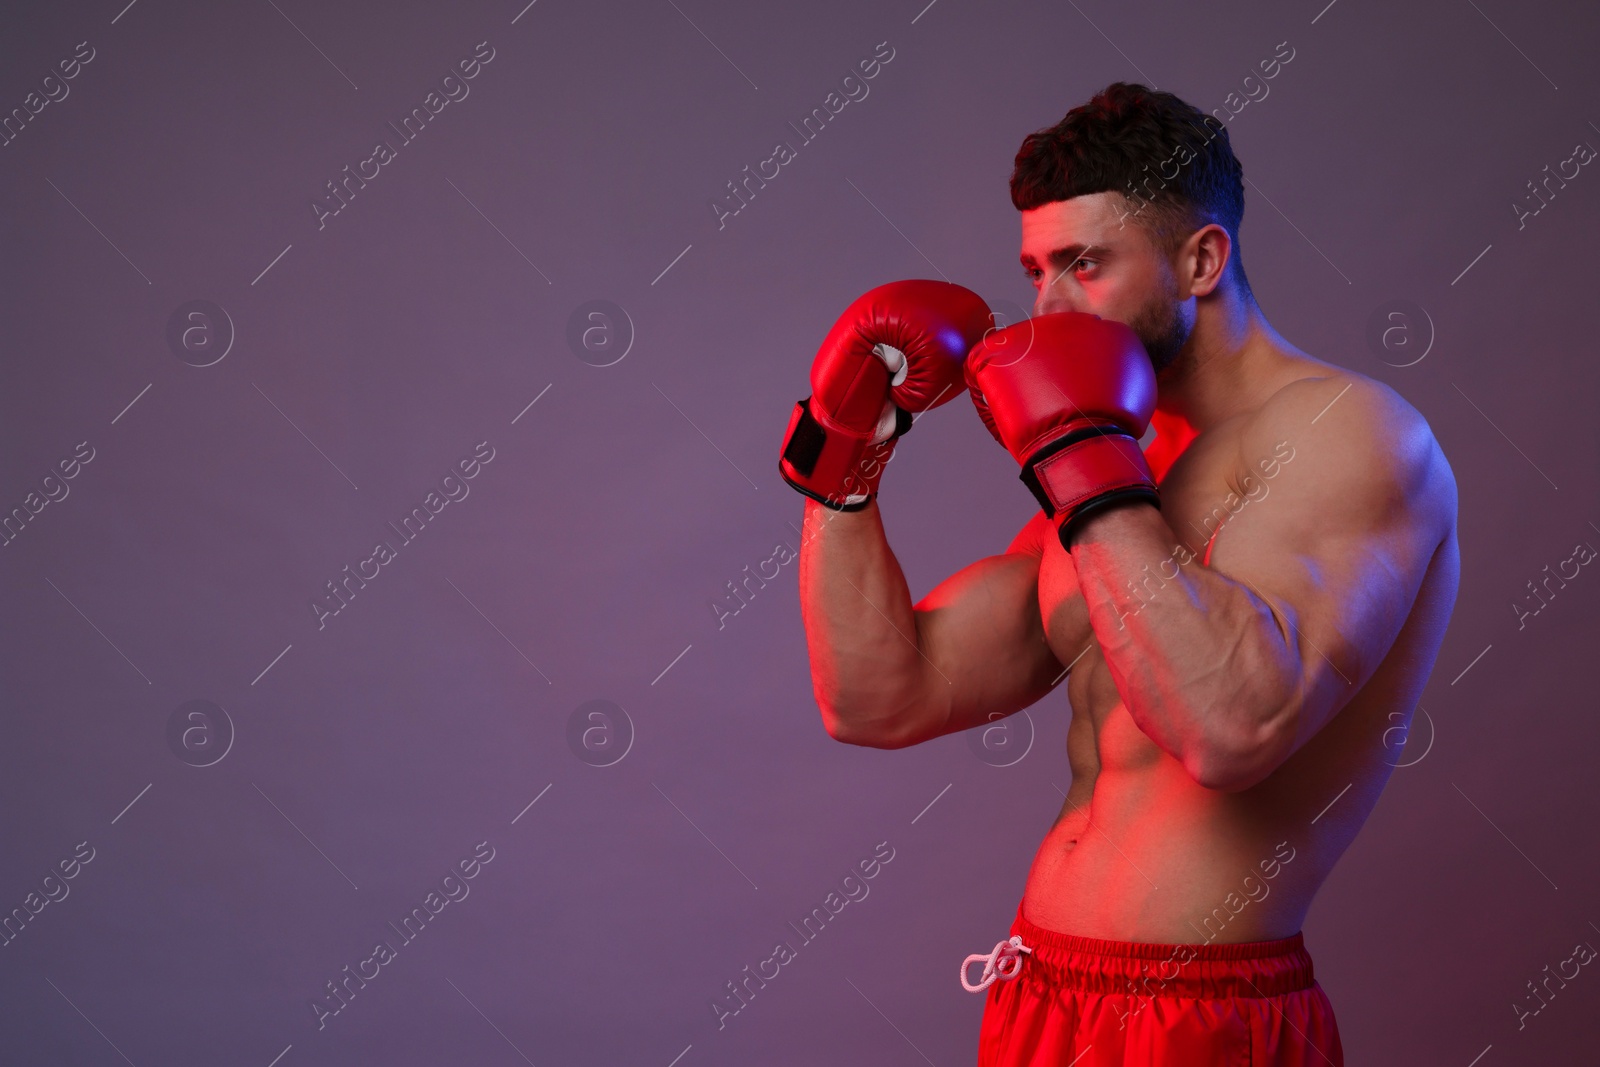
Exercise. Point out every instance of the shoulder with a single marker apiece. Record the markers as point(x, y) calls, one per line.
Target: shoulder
point(1359, 442)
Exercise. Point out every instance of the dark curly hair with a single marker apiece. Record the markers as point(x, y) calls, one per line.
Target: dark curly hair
point(1169, 160)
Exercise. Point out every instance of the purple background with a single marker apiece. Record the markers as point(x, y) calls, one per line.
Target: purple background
point(428, 714)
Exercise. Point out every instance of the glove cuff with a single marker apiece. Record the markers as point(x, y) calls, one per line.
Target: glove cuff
point(1085, 470)
point(836, 469)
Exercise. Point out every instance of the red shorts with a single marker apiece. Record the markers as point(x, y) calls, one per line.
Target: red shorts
point(1089, 1002)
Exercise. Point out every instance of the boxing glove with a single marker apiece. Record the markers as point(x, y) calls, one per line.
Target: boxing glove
point(897, 350)
point(1069, 395)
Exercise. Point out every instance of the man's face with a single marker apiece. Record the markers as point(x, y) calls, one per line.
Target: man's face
point(1083, 254)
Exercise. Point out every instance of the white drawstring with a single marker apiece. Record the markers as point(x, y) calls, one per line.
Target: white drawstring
point(995, 963)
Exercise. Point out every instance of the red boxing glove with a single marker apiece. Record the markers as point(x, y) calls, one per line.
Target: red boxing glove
point(896, 351)
point(1069, 395)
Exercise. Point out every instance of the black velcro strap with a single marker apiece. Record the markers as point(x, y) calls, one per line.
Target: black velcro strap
point(805, 444)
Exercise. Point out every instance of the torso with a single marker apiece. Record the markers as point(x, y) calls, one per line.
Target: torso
point(1140, 851)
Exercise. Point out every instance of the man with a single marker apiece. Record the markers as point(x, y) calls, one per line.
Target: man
point(1240, 623)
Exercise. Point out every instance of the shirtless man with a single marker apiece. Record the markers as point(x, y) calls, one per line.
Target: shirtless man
point(1237, 652)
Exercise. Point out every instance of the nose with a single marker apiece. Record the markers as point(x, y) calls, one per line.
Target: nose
point(1048, 302)
point(1056, 294)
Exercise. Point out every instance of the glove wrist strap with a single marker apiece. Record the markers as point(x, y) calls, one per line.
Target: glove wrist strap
point(1086, 468)
point(836, 469)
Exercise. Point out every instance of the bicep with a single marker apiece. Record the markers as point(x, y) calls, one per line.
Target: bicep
point(983, 642)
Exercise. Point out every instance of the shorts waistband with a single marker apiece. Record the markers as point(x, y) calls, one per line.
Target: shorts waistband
point(1138, 968)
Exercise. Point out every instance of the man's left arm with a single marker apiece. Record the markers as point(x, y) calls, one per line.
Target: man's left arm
point(1231, 668)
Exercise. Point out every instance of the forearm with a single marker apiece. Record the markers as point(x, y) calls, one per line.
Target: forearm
point(1201, 662)
point(861, 629)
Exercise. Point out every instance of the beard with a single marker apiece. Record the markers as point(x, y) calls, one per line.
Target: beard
point(1161, 328)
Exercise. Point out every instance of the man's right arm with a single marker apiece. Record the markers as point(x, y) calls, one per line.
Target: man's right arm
point(889, 674)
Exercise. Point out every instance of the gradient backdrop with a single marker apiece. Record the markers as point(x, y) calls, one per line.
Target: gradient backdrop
point(251, 792)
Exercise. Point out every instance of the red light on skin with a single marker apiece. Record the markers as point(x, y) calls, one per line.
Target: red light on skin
point(1173, 436)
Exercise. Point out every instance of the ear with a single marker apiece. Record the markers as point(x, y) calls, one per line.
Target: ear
point(1203, 260)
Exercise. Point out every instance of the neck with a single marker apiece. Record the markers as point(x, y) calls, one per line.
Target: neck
point(1228, 364)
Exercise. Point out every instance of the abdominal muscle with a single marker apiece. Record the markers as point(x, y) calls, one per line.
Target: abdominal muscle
point(1141, 852)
